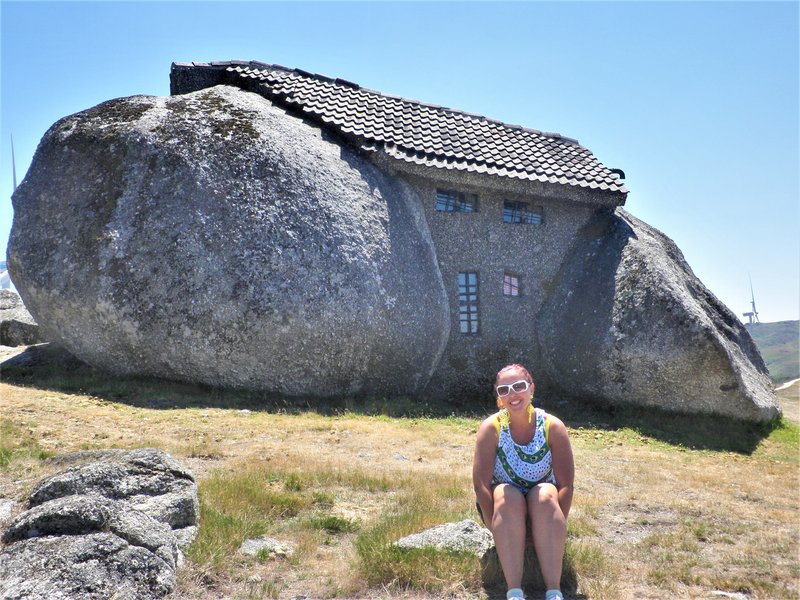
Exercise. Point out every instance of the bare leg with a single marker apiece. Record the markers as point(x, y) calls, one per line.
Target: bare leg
point(508, 529)
point(549, 529)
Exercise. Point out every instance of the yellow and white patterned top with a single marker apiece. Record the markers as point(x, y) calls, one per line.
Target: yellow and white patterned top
point(523, 466)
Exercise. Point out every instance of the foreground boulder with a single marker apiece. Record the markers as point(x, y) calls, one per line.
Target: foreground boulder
point(87, 547)
point(103, 529)
point(213, 238)
point(629, 323)
point(148, 480)
point(17, 326)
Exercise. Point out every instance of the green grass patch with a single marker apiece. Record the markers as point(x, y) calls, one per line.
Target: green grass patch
point(254, 499)
point(18, 443)
point(427, 569)
point(586, 558)
point(293, 483)
point(783, 443)
point(421, 505)
point(332, 523)
point(323, 499)
point(580, 525)
point(786, 432)
point(236, 506)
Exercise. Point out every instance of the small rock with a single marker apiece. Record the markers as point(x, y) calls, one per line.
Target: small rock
point(6, 509)
point(271, 546)
point(464, 536)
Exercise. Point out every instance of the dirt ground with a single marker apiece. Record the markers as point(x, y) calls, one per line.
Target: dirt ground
point(669, 521)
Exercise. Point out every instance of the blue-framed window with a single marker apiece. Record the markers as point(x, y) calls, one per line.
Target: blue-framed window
point(468, 302)
point(455, 201)
point(521, 212)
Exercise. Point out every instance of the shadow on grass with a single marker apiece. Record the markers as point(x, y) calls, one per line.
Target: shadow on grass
point(49, 367)
point(693, 431)
point(532, 581)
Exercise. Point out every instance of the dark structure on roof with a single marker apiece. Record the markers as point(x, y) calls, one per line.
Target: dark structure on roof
point(412, 131)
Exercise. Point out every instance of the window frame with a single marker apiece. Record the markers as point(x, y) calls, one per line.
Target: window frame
point(456, 201)
point(511, 280)
point(518, 212)
point(468, 303)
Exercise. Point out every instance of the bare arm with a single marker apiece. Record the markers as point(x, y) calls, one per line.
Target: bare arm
point(563, 463)
point(483, 467)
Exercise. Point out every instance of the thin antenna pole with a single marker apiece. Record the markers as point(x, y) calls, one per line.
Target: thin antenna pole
point(13, 164)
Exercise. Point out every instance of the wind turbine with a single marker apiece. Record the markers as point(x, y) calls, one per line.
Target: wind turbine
point(753, 314)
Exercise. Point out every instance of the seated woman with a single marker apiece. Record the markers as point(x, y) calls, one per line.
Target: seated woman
point(523, 474)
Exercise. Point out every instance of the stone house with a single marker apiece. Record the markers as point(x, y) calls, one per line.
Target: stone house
point(504, 204)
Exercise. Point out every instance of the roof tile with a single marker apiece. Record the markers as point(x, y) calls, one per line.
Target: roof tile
point(428, 134)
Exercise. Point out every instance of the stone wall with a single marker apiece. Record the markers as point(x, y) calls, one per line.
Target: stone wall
point(481, 242)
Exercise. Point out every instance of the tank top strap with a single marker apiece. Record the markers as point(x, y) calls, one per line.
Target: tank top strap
point(546, 418)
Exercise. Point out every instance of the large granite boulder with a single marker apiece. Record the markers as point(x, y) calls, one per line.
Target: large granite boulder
point(110, 527)
point(17, 326)
point(629, 323)
point(214, 238)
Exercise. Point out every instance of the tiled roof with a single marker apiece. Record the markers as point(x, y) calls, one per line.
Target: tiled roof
point(425, 134)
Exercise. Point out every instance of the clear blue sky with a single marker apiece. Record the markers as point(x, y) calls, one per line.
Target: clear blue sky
point(696, 102)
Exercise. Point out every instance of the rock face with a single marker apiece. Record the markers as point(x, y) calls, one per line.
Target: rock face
point(149, 480)
point(211, 237)
point(90, 531)
point(17, 326)
point(629, 322)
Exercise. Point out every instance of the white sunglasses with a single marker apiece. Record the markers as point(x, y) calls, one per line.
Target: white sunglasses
point(516, 387)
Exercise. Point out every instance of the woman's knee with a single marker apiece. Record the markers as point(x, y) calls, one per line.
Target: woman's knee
point(508, 498)
point(543, 494)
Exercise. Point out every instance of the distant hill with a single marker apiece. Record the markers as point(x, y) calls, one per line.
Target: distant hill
point(779, 344)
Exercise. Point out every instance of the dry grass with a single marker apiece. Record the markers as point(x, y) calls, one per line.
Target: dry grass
point(652, 518)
